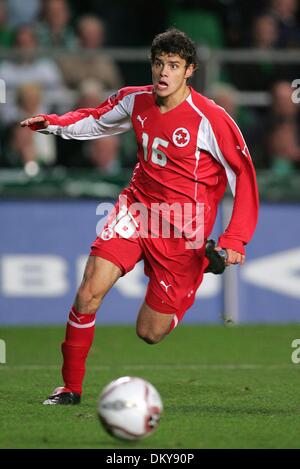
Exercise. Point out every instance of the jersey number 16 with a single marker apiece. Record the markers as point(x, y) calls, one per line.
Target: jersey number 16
point(157, 156)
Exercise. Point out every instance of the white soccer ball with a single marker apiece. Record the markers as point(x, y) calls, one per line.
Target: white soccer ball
point(130, 408)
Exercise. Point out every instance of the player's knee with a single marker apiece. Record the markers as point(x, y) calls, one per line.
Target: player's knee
point(149, 336)
point(150, 339)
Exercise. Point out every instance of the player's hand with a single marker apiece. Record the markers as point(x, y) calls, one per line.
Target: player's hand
point(233, 257)
point(38, 122)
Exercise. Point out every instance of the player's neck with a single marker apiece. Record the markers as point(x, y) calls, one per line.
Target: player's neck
point(168, 103)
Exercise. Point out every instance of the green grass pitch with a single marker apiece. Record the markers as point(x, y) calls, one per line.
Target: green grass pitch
point(222, 387)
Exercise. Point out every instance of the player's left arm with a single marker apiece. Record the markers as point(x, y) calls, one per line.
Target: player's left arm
point(235, 157)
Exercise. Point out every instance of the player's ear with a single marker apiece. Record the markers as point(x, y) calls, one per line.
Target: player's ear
point(189, 71)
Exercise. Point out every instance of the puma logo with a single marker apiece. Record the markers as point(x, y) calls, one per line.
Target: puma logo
point(141, 120)
point(164, 285)
point(78, 319)
point(244, 151)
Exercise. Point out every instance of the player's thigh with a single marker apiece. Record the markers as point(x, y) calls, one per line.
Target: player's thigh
point(152, 324)
point(99, 276)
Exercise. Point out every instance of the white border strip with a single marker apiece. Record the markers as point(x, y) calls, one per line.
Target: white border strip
point(81, 326)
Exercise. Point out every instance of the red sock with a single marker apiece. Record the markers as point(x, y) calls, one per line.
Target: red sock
point(177, 318)
point(179, 315)
point(75, 348)
point(173, 324)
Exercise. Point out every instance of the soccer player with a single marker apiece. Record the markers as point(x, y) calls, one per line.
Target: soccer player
point(188, 149)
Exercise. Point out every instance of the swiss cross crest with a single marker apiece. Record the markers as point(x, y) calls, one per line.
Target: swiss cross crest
point(181, 137)
point(107, 234)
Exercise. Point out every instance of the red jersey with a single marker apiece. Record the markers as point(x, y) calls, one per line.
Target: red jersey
point(187, 154)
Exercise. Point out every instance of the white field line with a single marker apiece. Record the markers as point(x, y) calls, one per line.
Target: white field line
point(201, 366)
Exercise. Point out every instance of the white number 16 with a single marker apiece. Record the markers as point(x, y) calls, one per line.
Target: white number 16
point(157, 156)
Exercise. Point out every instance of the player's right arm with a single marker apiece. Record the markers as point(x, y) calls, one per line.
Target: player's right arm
point(35, 123)
point(112, 117)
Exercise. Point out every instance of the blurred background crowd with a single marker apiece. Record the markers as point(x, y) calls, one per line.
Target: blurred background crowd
point(57, 55)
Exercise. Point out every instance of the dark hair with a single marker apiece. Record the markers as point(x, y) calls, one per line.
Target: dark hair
point(174, 41)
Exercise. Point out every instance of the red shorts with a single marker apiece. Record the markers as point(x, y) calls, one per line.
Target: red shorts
point(174, 271)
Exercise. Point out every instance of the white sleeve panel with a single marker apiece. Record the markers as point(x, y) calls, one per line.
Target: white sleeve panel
point(112, 122)
point(91, 128)
point(207, 141)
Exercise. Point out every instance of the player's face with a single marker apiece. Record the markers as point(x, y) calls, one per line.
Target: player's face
point(169, 74)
